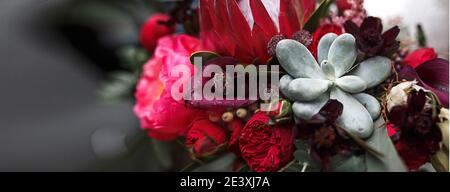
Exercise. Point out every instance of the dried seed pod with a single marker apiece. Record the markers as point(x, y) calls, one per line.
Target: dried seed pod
point(241, 113)
point(227, 117)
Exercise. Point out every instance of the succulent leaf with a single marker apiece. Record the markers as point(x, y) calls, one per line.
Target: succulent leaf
point(306, 110)
point(324, 46)
point(371, 103)
point(351, 84)
point(343, 54)
point(374, 70)
point(284, 85)
point(296, 59)
point(304, 89)
point(355, 117)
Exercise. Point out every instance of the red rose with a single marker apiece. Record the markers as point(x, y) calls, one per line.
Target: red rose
point(420, 56)
point(266, 148)
point(235, 127)
point(320, 32)
point(156, 27)
point(343, 5)
point(205, 138)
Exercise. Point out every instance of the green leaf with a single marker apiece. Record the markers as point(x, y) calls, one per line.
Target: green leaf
point(313, 23)
point(133, 58)
point(119, 87)
point(163, 153)
point(421, 37)
point(352, 163)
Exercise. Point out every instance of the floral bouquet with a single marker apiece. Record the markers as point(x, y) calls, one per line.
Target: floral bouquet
point(292, 85)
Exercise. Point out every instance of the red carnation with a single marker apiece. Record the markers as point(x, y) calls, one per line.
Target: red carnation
point(157, 26)
point(205, 138)
point(235, 127)
point(420, 56)
point(266, 148)
point(322, 31)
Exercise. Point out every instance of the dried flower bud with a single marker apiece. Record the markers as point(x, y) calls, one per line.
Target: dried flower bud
point(241, 113)
point(227, 117)
point(272, 45)
point(398, 95)
point(304, 37)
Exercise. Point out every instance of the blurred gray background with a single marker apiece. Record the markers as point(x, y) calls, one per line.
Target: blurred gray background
point(50, 113)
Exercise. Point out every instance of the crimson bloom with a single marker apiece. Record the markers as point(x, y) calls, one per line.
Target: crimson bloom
point(205, 138)
point(420, 56)
point(243, 28)
point(371, 39)
point(155, 27)
point(266, 148)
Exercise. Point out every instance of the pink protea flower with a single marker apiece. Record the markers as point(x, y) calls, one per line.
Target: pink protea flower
point(243, 28)
point(155, 106)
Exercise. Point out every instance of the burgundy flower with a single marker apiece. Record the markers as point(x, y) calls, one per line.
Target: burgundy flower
point(419, 136)
point(371, 39)
point(266, 148)
point(325, 138)
point(205, 138)
point(432, 75)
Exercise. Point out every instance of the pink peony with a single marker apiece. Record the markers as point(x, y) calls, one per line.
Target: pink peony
point(155, 106)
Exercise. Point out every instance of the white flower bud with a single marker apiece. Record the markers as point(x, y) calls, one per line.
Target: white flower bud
point(399, 94)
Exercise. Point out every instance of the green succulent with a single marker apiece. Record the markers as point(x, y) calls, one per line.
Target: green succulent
point(312, 85)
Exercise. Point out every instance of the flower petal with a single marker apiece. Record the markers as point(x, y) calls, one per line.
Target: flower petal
point(355, 118)
point(296, 59)
point(324, 46)
point(390, 35)
point(371, 103)
point(371, 23)
point(328, 70)
point(303, 89)
point(351, 84)
point(343, 53)
point(432, 75)
point(307, 110)
point(374, 70)
point(284, 84)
